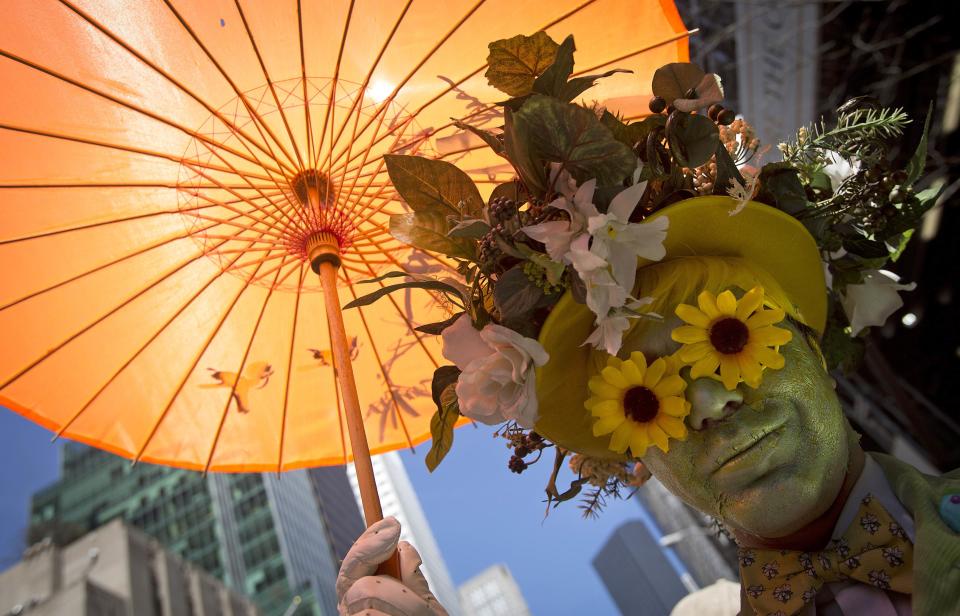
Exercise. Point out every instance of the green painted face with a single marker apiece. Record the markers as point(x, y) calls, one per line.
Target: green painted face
point(766, 461)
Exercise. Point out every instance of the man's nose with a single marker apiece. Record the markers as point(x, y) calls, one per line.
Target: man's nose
point(710, 401)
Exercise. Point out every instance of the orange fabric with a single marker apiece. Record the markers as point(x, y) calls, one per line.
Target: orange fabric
point(143, 155)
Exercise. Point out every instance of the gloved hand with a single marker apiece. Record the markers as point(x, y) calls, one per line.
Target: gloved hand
point(361, 593)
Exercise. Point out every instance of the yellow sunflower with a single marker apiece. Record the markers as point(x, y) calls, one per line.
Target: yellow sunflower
point(736, 338)
point(640, 405)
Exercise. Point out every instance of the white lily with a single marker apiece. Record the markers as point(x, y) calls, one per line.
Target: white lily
point(871, 302)
point(609, 332)
point(839, 169)
point(603, 291)
point(619, 241)
point(557, 235)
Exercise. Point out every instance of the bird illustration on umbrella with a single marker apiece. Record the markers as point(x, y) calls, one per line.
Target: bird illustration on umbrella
point(258, 373)
point(324, 357)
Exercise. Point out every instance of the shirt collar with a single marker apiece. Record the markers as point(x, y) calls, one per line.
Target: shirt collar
point(872, 481)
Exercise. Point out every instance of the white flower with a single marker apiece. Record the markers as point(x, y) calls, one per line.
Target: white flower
point(742, 193)
point(839, 169)
point(557, 235)
point(498, 382)
point(620, 242)
point(609, 332)
point(872, 301)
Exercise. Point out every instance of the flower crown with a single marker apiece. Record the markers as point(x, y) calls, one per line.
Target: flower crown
point(575, 219)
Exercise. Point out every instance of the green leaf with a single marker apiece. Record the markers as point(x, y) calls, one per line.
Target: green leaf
point(726, 171)
point(443, 421)
point(577, 86)
point(471, 228)
point(507, 190)
point(428, 230)
point(554, 78)
point(515, 295)
point(430, 285)
point(515, 62)
point(516, 143)
point(384, 277)
point(495, 142)
point(441, 429)
point(693, 138)
point(632, 134)
point(427, 184)
point(443, 377)
point(780, 187)
point(672, 81)
point(910, 213)
point(435, 329)
point(554, 131)
point(840, 351)
point(901, 245)
point(919, 159)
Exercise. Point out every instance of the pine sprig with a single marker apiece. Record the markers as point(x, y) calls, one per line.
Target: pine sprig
point(862, 133)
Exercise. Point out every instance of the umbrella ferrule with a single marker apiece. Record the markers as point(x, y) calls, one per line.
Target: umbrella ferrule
point(323, 247)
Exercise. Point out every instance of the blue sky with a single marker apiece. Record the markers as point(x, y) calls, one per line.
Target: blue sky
point(480, 512)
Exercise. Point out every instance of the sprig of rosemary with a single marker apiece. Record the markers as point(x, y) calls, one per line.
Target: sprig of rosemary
point(859, 133)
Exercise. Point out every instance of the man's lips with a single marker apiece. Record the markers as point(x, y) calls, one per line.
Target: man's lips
point(729, 455)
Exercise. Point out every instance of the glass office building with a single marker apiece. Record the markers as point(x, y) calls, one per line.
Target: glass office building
point(261, 534)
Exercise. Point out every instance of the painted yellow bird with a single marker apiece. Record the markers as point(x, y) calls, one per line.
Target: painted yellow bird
point(325, 356)
point(258, 373)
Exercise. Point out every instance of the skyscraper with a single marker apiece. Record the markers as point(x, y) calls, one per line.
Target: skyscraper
point(340, 511)
point(261, 534)
point(492, 592)
point(399, 500)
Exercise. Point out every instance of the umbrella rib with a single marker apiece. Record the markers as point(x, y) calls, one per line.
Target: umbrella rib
point(254, 115)
point(104, 266)
point(283, 224)
point(293, 339)
point(455, 84)
point(303, 78)
point(403, 315)
point(186, 376)
point(366, 82)
point(672, 39)
point(105, 316)
point(336, 76)
point(183, 88)
point(133, 357)
point(135, 185)
point(136, 108)
point(243, 363)
point(383, 372)
point(385, 104)
point(112, 146)
point(104, 223)
point(380, 161)
point(263, 67)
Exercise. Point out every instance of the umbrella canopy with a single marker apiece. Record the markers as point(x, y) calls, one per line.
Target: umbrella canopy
point(164, 168)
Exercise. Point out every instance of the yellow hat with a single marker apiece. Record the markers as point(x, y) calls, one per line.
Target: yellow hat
point(703, 226)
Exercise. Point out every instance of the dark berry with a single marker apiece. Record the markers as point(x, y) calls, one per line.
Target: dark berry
point(671, 109)
point(714, 111)
point(517, 465)
point(657, 104)
point(726, 117)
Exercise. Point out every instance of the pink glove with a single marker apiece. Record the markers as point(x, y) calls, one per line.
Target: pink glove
point(361, 593)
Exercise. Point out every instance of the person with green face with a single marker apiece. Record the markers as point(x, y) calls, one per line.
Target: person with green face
point(726, 400)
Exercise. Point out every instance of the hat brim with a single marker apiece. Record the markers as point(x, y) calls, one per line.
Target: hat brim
point(702, 226)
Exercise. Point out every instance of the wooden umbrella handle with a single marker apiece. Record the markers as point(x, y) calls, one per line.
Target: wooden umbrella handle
point(325, 261)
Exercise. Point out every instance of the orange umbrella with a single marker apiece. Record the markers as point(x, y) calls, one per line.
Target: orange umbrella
point(171, 172)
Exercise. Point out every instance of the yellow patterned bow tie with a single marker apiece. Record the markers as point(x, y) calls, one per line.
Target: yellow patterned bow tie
point(874, 550)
